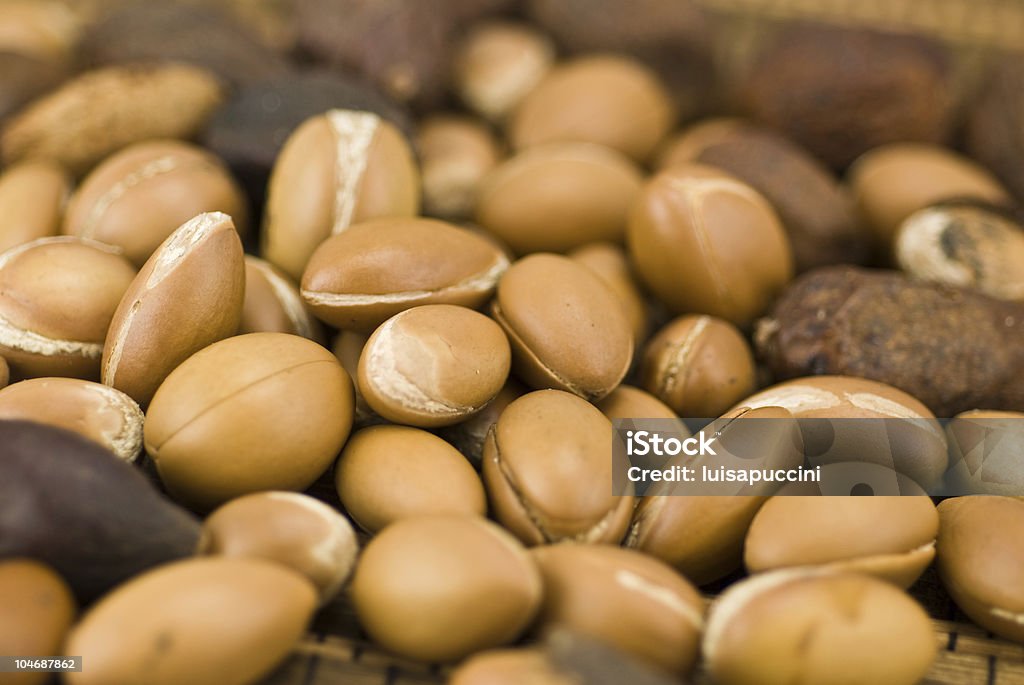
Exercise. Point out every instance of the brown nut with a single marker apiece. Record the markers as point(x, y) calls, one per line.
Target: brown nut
point(32, 199)
point(699, 366)
point(38, 28)
point(627, 402)
point(529, 666)
point(188, 295)
point(57, 298)
point(456, 153)
point(986, 453)
point(469, 436)
point(817, 627)
point(567, 328)
point(212, 620)
point(388, 473)
point(104, 415)
point(360, 278)
point(705, 242)
point(578, 193)
point(337, 169)
point(611, 264)
point(548, 471)
point(36, 612)
point(980, 559)
point(687, 145)
point(264, 411)
point(136, 198)
point(294, 530)
point(347, 348)
point(419, 586)
point(612, 100)
point(273, 303)
point(994, 136)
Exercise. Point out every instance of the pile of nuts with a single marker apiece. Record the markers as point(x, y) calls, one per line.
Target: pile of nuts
point(427, 253)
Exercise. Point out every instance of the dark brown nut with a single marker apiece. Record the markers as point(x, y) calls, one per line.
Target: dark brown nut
point(264, 411)
point(986, 453)
point(469, 436)
point(294, 530)
point(102, 111)
point(57, 298)
point(529, 666)
point(610, 100)
point(107, 525)
point(705, 242)
point(611, 264)
point(223, 621)
point(684, 147)
point(98, 412)
point(498, 63)
point(365, 275)
point(995, 136)
point(627, 402)
point(36, 612)
point(418, 587)
point(699, 366)
point(273, 303)
point(552, 350)
point(979, 558)
point(137, 197)
point(456, 153)
point(548, 471)
point(624, 598)
point(337, 169)
point(892, 182)
point(24, 78)
point(911, 335)
point(830, 90)
point(32, 199)
point(817, 627)
point(579, 193)
point(188, 295)
point(388, 473)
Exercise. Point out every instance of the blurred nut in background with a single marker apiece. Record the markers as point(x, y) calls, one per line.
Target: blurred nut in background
point(37, 610)
point(456, 153)
point(24, 78)
point(38, 28)
point(995, 136)
point(510, 667)
point(611, 264)
point(627, 402)
point(32, 199)
point(273, 303)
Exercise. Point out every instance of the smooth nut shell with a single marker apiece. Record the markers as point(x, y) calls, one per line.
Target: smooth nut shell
point(455, 154)
point(627, 402)
point(523, 666)
point(36, 612)
point(273, 303)
point(32, 199)
point(611, 264)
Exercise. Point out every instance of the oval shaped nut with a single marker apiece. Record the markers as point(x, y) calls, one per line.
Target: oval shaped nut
point(201, 621)
point(273, 303)
point(611, 264)
point(627, 402)
point(523, 666)
point(294, 530)
point(433, 365)
point(264, 411)
point(187, 296)
point(986, 452)
point(567, 328)
point(892, 538)
point(57, 298)
point(336, 169)
point(36, 612)
point(814, 627)
point(469, 436)
point(45, 30)
point(389, 473)
point(578, 193)
point(95, 411)
point(611, 100)
point(456, 153)
point(699, 366)
point(419, 585)
point(137, 197)
point(32, 199)
point(359, 279)
point(548, 471)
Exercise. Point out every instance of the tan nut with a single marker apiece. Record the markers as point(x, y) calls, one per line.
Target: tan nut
point(36, 612)
point(611, 263)
point(32, 199)
point(456, 153)
point(273, 303)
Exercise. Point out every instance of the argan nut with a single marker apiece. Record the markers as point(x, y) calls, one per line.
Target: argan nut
point(551, 349)
point(418, 587)
point(611, 264)
point(985, 449)
point(433, 365)
point(362, 277)
point(188, 295)
point(455, 155)
point(389, 473)
point(994, 136)
point(705, 242)
point(469, 436)
point(966, 245)
point(98, 412)
point(979, 559)
point(137, 197)
point(57, 298)
point(264, 411)
point(579, 193)
point(627, 402)
point(611, 100)
point(109, 522)
point(892, 182)
point(32, 199)
point(530, 666)
point(548, 471)
point(498, 63)
point(38, 28)
point(699, 366)
point(212, 620)
point(101, 111)
point(294, 530)
point(817, 627)
point(37, 610)
point(347, 349)
point(273, 303)
point(688, 144)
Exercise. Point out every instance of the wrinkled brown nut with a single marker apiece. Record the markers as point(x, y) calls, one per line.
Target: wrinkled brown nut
point(36, 612)
point(32, 199)
point(273, 303)
point(611, 264)
point(456, 153)
point(985, 450)
point(469, 436)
